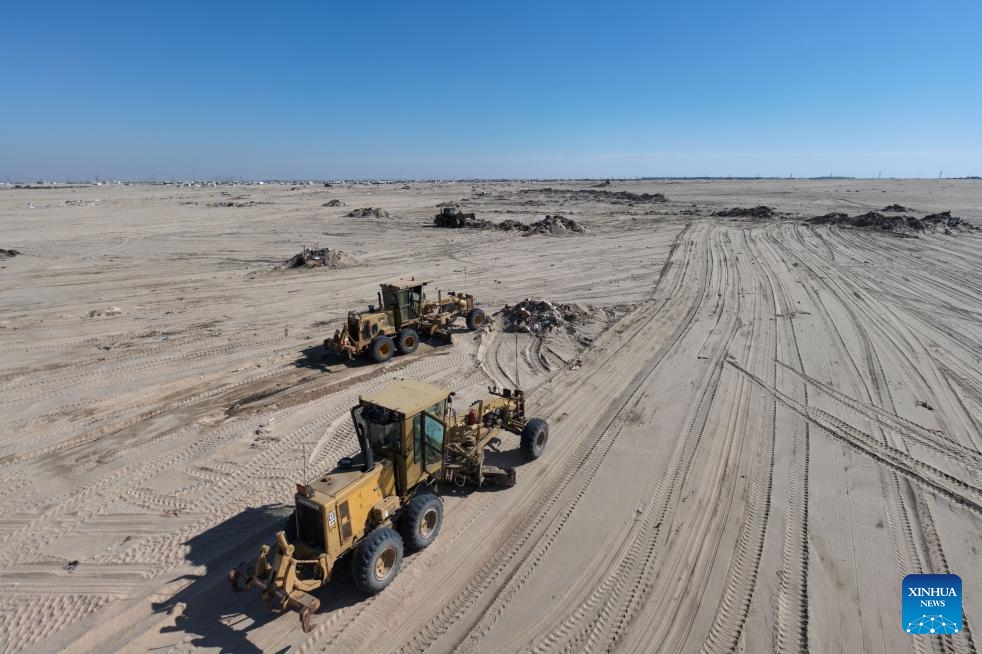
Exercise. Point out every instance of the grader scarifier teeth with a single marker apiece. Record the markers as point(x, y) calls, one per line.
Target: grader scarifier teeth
point(276, 599)
point(235, 576)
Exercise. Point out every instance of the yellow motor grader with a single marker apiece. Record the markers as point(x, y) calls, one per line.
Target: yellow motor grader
point(402, 315)
point(376, 505)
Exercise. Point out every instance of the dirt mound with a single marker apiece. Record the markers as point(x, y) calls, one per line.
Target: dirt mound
point(368, 212)
point(441, 205)
point(874, 220)
point(552, 225)
point(946, 220)
point(6, 254)
point(333, 203)
point(556, 225)
point(832, 218)
point(762, 211)
point(229, 203)
point(612, 197)
point(896, 208)
point(533, 316)
point(319, 258)
point(869, 220)
point(108, 311)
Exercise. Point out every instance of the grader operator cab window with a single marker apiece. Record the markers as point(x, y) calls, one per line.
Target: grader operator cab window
point(389, 298)
point(382, 427)
point(433, 432)
point(410, 302)
point(429, 432)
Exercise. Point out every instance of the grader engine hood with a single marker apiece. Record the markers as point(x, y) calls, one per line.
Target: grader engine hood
point(335, 509)
point(367, 324)
point(332, 514)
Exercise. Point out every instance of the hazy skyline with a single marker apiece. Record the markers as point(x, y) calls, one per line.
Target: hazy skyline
point(449, 90)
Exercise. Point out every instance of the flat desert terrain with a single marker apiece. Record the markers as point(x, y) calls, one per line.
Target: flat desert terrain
point(759, 425)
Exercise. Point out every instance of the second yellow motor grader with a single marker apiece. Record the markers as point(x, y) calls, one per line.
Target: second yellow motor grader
point(402, 315)
point(375, 505)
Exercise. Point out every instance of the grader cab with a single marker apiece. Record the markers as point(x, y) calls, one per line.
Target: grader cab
point(402, 315)
point(376, 505)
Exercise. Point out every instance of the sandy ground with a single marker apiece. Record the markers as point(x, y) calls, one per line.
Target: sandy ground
point(773, 423)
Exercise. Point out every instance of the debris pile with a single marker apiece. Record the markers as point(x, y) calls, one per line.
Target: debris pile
point(831, 218)
point(945, 219)
point(333, 203)
point(875, 220)
point(319, 258)
point(762, 211)
point(110, 311)
point(555, 225)
point(896, 208)
point(537, 316)
point(230, 203)
point(613, 197)
point(441, 205)
point(368, 212)
point(6, 254)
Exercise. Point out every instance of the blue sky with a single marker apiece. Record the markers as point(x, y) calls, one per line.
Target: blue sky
point(138, 90)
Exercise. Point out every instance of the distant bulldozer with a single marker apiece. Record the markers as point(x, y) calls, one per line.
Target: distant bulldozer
point(402, 315)
point(450, 217)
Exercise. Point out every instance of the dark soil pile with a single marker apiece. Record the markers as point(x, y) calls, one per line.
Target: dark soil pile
point(368, 212)
point(229, 203)
point(556, 225)
point(762, 211)
point(553, 225)
point(945, 219)
point(896, 208)
point(319, 258)
point(613, 197)
point(333, 203)
point(905, 225)
point(6, 254)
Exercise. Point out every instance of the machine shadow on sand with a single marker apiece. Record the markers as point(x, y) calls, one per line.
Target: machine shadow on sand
point(210, 616)
point(318, 357)
point(204, 610)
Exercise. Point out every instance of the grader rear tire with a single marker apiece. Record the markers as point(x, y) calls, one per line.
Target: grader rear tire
point(475, 319)
point(376, 560)
point(407, 341)
point(421, 521)
point(535, 435)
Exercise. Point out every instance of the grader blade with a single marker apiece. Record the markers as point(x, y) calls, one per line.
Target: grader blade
point(495, 476)
point(442, 335)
